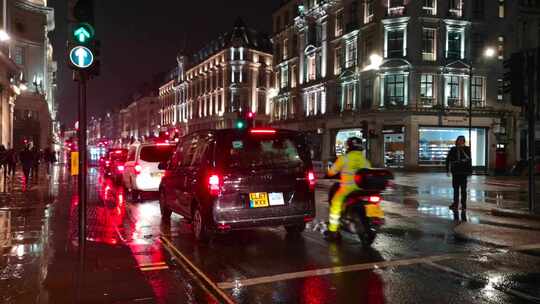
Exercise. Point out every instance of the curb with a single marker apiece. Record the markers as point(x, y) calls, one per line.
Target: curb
point(515, 214)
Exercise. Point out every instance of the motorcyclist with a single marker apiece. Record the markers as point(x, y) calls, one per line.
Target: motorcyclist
point(347, 165)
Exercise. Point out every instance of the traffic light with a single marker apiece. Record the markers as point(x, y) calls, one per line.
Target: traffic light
point(514, 79)
point(83, 48)
point(245, 120)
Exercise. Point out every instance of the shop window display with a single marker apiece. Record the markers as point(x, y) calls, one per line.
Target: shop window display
point(394, 150)
point(434, 144)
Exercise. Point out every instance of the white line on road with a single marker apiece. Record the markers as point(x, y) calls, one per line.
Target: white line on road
point(355, 267)
point(332, 270)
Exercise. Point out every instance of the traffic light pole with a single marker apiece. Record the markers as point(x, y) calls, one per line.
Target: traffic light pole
point(532, 62)
point(82, 179)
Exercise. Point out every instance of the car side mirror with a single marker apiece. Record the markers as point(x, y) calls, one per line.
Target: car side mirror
point(162, 166)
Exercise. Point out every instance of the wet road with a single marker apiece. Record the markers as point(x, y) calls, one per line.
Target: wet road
point(133, 257)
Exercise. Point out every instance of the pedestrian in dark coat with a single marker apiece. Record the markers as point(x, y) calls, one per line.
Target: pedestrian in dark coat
point(37, 160)
point(12, 161)
point(27, 161)
point(459, 163)
point(3, 159)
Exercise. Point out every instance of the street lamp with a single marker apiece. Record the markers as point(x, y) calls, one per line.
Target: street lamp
point(488, 53)
point(376, 62)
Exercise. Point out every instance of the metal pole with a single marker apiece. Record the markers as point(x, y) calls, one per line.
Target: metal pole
point(82, 182)
point(531, 111)
point(470, 104)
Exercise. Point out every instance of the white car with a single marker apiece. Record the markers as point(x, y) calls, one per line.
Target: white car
point(141, 173)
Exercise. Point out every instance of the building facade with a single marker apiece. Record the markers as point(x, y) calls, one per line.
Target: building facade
point(28, 25)
point(400, 74)
point(232, 74)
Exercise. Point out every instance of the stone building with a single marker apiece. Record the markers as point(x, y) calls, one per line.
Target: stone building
point(401, 75)
point(210, 88)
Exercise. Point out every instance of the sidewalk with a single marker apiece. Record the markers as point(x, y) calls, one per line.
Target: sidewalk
point(429, 195)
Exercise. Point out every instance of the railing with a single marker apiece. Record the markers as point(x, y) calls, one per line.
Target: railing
point(428, 57)
point(478, 103)
point(396, 11)
point(455, 103)
point(427, 102)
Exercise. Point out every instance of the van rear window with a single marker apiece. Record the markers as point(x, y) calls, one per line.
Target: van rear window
point(156, 154)
point(245, 151)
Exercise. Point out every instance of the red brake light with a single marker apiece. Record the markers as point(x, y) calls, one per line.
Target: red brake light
point(262, 131)
point(118, 152)
point(311, 179)
point(214, 182)
point(138, 169)
point(121, 168)
point(374, 199)
point(107, 163)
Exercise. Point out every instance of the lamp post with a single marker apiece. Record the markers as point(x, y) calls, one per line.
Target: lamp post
point(488, 53)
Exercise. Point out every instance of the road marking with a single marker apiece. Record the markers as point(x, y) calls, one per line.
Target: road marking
point(501, 288)
point(502, 184)
point(182, 258)
point(357, 267)
point(332, 270)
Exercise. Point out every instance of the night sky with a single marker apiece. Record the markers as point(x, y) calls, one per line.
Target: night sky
point(141, 38)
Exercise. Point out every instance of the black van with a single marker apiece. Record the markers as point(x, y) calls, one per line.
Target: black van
point(231, 179)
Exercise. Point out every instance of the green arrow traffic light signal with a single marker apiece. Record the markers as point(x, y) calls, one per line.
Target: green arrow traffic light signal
point(83, 33)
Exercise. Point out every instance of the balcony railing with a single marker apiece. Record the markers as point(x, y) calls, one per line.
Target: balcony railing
point(427, 102)
point(396, 11)
point(394, 102)
point(455, 103)
point(428, 57)
point(478, 103)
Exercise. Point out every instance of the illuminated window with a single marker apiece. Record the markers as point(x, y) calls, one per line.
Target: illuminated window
point(396, 8)
point(285, 48)
point(339, 23)
point(394, 90)
point(454, 44)
point(477, 90)
point(351, 54)
point(500, 48)
point(338, 63)
point(284, 77)
point(453, 91)
point(427, 90)
point(430, 7)
point(395, 43)
point(429, 44)
point(368, 11)
point(456, 8)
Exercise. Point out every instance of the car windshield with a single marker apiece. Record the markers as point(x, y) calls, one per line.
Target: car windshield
point(252, 151)
point(156, 154)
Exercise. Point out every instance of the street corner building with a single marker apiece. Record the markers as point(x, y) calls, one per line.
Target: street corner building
point(27, 26)
point(402, 75)
point(209, 89)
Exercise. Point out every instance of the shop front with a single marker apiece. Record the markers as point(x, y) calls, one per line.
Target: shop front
point(394, 146)
point(435, 142)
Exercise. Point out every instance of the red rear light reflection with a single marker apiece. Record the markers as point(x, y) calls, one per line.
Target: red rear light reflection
point(214, 182)
point(138, 169)
point(121, 168)
point(262, 131)
point(311, 180)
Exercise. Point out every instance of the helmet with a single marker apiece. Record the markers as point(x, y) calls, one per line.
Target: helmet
point(354, 144)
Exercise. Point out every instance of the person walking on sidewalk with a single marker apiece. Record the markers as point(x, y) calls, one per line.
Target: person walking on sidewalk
point(36, 153)
point(459, 163)
point(50, 158)
point(27, 161)
point(11, 162)
point(3, 160)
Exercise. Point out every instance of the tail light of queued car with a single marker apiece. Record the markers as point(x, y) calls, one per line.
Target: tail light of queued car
point(375, 199)
point(214, 182)
point(121, 168)
point(311, 180)
point(138, 169)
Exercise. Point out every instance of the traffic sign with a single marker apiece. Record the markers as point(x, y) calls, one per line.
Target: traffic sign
point(81, 57)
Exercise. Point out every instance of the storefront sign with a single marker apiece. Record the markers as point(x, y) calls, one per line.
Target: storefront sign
point(74, 163)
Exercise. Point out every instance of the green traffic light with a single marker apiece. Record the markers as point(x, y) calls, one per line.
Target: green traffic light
point(83, 33)
point(240, 124)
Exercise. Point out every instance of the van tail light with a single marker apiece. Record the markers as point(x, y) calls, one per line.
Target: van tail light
point(107, 163)
point(121, 168)
point(214, 182)
point(138, 169)
point(311, 180)
point(375, 199)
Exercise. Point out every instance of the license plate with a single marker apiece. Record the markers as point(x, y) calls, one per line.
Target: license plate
point(258, 200)
point(374, 211)
point(276, 199)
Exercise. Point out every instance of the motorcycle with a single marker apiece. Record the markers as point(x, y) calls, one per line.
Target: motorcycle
point(362, 214)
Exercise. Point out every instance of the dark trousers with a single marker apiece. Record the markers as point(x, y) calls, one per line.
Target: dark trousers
point(11, 168)
point(459, 182)
point(26, 172)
